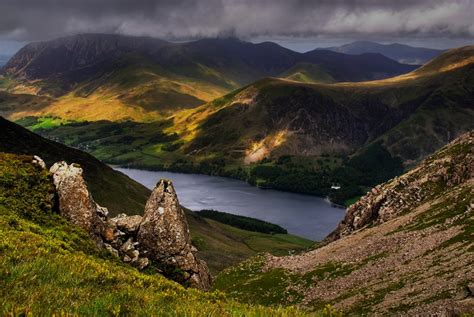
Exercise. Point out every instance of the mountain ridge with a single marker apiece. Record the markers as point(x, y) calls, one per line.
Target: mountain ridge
point(399, 52)
point(149, 79)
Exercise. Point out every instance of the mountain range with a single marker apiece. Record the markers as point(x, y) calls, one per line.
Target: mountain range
point(399, 52)
point(153, 104)
point(145, 78)
point(287, 134)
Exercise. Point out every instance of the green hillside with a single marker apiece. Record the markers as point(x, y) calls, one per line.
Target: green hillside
point(112, 189)
point(308, 73)
point(59, 270)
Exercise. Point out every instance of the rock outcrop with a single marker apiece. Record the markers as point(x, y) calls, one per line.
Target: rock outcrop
point(165, 235)
point(124, 242)
point(452, 165)
point(159, 239)
point(75, 201)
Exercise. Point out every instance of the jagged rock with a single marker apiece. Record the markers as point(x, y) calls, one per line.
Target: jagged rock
point(39, 161)
point(113, 251)
point(446, 169)
point(161, 236)
point(109, 232)
point(75, 202)
point(127, 246)
point(129, 224)
point(165, 235)
point(102, 211)
point(142, 263)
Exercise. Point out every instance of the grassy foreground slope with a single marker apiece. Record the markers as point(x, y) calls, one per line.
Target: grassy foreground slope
point(414, 255)
point(48, 266)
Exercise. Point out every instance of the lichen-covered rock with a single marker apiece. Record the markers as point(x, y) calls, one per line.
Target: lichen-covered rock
point(128, 224)
point(75, 201)
point(161, 237)
point(165, 235)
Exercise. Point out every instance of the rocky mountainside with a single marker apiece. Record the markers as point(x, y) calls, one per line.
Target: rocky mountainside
point(75, 54)
point(406, 248)
point(399, 52)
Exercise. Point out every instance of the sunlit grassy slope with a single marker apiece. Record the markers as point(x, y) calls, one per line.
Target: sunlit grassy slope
point(50, 267)
point(308, 73)
point(133, 88)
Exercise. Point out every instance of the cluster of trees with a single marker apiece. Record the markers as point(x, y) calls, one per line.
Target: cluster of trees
point(242, 222)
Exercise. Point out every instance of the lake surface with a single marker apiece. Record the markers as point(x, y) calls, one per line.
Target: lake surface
point(307, 216)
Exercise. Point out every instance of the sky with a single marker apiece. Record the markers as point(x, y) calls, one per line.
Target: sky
point(298, 24)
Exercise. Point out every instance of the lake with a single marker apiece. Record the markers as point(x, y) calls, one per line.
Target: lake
point(307, 216)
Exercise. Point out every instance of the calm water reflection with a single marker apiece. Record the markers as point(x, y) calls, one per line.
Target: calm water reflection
point(303, 215)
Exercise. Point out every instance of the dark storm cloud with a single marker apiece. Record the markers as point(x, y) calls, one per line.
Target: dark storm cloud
point(184, 19)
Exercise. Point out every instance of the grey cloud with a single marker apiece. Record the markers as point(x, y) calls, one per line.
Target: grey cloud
point(185, 19)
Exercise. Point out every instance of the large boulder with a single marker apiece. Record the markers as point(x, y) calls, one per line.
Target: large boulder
point(75, 201)
point(165, 235)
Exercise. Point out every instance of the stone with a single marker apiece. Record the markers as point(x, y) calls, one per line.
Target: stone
point(109, 233)
point(75, 201)
point(113, 251)
point(165, 235)
point(133, 254)
point(127, 246)
point(39, 161)
point(142, 263)
point(129, 224)
point(102, 211)
point(470, 288)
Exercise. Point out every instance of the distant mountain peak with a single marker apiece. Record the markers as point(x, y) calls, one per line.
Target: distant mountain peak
point(400, 52)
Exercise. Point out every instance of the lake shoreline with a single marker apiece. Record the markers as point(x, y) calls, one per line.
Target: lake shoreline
point(150, 169)
point(303, 215)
